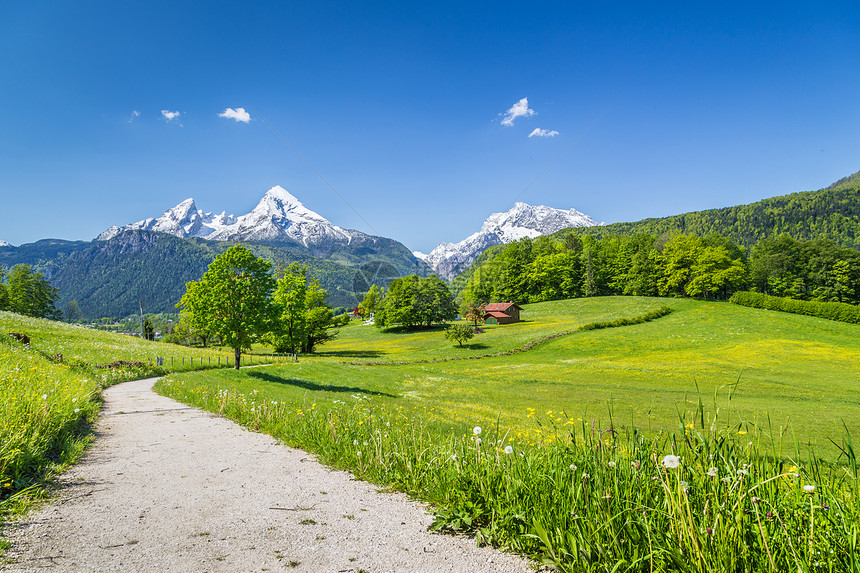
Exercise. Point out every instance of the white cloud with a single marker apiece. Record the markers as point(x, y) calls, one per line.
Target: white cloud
point(538, 132)
point(239, 114)
point(169, 115)
point(134, 115)
point(519, 109)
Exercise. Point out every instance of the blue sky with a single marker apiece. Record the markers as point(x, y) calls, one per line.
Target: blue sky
point(401, 107)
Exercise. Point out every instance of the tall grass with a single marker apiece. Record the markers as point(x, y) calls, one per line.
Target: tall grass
point(710, 497)
point(48, 403)
point(45, 412)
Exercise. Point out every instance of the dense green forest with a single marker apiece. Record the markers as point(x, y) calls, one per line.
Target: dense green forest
point(113, 278)
point(832, 213)
point(712, 267)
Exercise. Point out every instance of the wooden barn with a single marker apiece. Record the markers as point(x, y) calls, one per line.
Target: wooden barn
point(502, 313)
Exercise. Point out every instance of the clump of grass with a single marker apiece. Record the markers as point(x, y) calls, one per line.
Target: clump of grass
point(710, 497)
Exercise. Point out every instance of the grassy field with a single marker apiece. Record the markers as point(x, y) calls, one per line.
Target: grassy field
point(575, 462)
point(793, 375)
point(47, 405)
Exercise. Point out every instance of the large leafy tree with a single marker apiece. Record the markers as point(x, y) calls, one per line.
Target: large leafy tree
point(303, 320)
point(371, 301)
point(413, 302)
point(290, 299)
point(30, 293)
point(319, 318)
point(232, 300)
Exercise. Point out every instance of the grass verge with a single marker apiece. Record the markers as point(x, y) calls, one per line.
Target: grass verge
point(592, 498)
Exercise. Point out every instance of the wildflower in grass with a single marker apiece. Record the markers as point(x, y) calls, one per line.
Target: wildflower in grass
point(572, 468)
point(671, 461)
point(612, 465)
point(478, 441)
point(809, 488)
point(509, 450)
point(712, 472)
point(44, 396)
point(477, 430)
point(742, 472)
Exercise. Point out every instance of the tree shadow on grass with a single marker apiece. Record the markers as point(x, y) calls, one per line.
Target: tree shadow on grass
point(416, 330)
point(313, 386)
point(350, 353)
point(474, 346)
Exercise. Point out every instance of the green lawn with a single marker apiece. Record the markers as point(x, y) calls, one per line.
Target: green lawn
point(795, 373)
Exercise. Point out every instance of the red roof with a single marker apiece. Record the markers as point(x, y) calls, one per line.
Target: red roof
point(497, 314)
point(502, 306)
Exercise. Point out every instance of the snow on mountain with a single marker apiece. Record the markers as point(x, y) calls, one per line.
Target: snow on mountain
point(278, 217)
point(523, 220)
point(5, 243)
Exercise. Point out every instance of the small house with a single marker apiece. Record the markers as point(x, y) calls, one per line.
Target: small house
point(502, 313)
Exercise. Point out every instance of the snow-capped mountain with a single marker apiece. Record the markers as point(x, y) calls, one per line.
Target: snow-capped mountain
point(278, 217)
point(5, 243)
point(523, 220)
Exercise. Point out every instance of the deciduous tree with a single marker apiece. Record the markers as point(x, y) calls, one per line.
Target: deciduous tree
point(232, 300)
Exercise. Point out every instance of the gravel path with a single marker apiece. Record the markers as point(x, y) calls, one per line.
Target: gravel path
point(171, 488)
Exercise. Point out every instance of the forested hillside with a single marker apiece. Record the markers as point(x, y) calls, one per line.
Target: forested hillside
point(112, 278)
point(832, 213)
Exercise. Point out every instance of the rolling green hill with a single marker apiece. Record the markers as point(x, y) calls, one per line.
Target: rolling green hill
point(832, 213)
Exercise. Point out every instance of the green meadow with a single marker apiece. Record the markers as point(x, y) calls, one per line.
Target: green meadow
point(794, 377)
point(715, 438)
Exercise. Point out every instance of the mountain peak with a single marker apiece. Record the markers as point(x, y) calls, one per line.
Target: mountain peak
point(520, 221)
point(279, 216)
point(5, 243)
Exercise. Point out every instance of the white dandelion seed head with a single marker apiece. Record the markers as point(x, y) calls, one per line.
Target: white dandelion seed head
point(671, 461)
point(477, 430)
point(509, 450)
point(809, 488)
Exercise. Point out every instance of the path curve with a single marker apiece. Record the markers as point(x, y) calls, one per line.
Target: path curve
point(167, 487)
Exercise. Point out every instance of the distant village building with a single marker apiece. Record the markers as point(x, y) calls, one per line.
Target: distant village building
point(502, 313)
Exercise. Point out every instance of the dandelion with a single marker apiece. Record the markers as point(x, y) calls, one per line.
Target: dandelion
point(671, 461)
point(612, 465)
point(355, 442)
point(712, 472)
point(477, 430)
point(572, 468)
point(478, 441)
point(742, 473)
point(809, 488)
point(77, 410)
point(44, 396)
point(509, 450)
